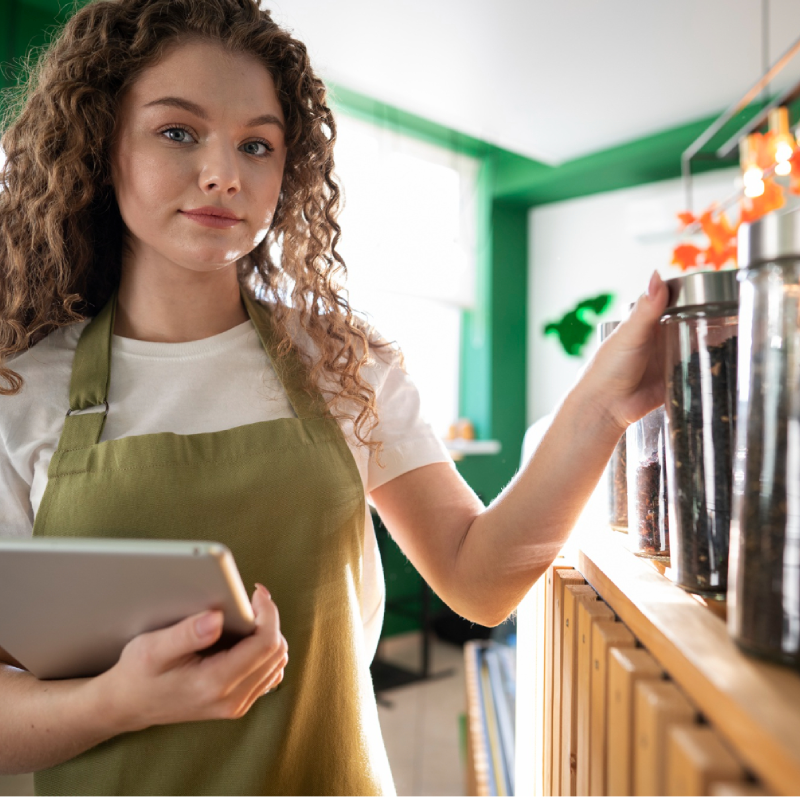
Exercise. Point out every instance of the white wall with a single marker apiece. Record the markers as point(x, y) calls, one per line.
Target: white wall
point(608, 242)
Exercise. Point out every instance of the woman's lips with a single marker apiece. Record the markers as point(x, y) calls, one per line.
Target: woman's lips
point(211, 218)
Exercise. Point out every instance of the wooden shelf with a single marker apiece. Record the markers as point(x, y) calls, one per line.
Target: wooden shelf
point(754, 705)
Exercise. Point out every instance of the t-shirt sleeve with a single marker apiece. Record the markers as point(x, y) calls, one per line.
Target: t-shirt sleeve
point(408, 439)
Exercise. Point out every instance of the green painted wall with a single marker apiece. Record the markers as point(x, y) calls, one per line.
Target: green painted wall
point(646, 160)
point(494, 352)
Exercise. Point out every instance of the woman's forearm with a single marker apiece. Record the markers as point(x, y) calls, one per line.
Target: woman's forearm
point(482, 561)
point(44, 723)
point(510, 544)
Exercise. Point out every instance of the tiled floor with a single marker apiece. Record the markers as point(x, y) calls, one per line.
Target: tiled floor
point(421, 728)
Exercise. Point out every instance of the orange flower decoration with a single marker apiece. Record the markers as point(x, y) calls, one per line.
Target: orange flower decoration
point(794, 175)
point(685, 256)
point(722, 242)
point(721, 234)
point(763, 149)
point(753, 208)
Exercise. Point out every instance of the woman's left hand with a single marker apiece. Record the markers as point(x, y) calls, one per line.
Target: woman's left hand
point(625, 379)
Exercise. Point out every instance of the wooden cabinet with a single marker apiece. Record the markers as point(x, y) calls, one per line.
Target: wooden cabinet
point(698, 760)
point(626, 667)
point(645, 691)
point(606, 634)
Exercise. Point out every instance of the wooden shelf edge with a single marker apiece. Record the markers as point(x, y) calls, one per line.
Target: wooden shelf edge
point(477, 755)
point(754, 705)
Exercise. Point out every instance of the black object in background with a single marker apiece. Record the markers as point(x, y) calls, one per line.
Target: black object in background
point(450, 627)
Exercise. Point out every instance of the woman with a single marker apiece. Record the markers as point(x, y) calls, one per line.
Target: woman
point(168, 215)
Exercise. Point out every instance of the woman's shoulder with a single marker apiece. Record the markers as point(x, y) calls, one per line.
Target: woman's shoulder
point(45, 370)
point(56, 348)
point(383, 356)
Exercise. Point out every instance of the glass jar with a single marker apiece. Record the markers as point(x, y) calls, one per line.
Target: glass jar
point(616, 479)
point(648, 518)
point(764, 576)
point(700, 328)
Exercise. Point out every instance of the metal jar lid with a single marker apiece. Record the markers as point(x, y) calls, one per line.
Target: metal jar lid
point(703, 288)
point(604, 329)
point(775, 236)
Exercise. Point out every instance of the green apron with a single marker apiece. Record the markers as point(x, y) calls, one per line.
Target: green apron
point(286, 497)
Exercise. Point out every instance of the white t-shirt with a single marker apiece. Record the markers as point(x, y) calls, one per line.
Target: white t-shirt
point(212, 384)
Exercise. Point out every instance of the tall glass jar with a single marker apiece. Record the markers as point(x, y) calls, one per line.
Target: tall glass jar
point(764, 595)
point(700, 328)
point(616, 479)
point(648, 517)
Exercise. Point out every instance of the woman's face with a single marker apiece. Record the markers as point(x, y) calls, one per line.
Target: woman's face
point(197, 159)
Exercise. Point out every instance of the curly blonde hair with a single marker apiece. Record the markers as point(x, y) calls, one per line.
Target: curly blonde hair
point(61, 234)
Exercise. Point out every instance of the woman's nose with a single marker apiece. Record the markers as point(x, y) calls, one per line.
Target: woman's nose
point(220, 172)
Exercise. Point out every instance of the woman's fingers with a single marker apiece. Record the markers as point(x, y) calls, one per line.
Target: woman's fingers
point(266, 682)
point(656, 288)
point(643, 331)
point(257, 652)
point(236, 702)
point(636, 333)
point(626, 375)
point(647, 312)
point(160, 677)
point(265, 676)
point(159, 650)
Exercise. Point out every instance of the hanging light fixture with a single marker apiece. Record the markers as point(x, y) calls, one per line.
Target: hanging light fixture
point(752, 174)
point(782, 140)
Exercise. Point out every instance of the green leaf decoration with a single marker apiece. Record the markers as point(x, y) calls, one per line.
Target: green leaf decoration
point(576, 327)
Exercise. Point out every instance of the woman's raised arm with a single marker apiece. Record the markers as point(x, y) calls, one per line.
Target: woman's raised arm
point(482, 562)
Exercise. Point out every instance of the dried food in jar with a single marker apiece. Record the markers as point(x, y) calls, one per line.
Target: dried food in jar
point(702, 429)
point(618, 487)
point(768, 583)
point(651, 505)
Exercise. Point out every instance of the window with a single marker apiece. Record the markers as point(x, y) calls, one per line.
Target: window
point(408, 239)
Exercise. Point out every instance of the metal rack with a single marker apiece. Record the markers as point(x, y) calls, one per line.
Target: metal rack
point(726, 150)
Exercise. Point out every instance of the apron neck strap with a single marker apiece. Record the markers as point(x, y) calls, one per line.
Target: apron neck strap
point(92, 365)
point(88, 386)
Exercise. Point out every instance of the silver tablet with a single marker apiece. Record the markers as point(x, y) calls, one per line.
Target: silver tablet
point(69, 606)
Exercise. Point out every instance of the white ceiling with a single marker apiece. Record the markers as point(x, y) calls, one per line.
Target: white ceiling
point(550, 79)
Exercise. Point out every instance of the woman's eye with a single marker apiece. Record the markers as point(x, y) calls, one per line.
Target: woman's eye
point(178, 135)
point(256, 148)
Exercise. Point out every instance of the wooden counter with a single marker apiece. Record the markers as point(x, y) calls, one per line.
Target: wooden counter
point(749, 706)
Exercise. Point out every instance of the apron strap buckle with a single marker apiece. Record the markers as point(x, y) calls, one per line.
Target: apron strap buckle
point(71, 411)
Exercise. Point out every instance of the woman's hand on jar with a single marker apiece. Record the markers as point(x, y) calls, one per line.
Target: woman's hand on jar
point(626, 376)
point(161, 679)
